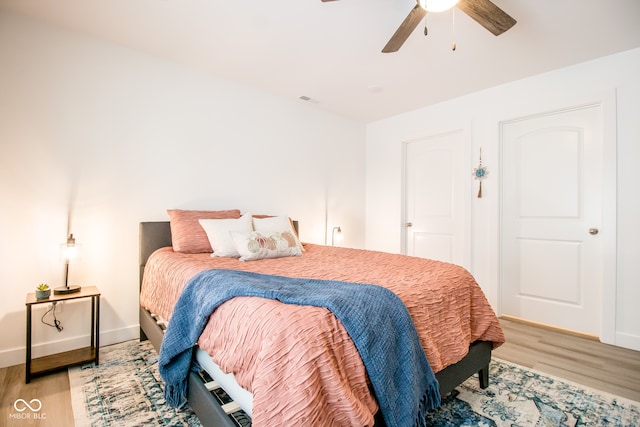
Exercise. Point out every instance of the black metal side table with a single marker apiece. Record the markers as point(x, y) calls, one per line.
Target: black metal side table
point(53, 362)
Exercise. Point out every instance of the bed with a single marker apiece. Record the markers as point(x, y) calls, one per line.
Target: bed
point(212, 403)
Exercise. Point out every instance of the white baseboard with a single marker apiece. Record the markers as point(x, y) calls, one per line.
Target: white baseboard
point(629, 341)
point(17, 356)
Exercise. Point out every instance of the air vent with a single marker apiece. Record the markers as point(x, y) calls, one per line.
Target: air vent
point(308, 99)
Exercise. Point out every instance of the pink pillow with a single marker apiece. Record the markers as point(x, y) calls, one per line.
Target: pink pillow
point(187, 235)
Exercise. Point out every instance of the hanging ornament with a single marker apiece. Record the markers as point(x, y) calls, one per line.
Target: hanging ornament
point(480, 173)
point(453, 30)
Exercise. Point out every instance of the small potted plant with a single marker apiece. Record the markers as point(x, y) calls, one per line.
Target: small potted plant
point(43, 291)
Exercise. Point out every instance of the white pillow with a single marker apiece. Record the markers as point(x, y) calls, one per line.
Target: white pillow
point(276, 224)
point(218, 234)
point(253, 245)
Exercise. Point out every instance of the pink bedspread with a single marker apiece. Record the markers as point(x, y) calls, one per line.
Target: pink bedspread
point(299, 362)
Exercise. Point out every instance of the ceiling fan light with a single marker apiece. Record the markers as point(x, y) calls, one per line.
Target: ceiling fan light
point(437, 5)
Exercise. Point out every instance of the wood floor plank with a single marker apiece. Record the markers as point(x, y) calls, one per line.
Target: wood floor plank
point(51, 390)
point(600, 384)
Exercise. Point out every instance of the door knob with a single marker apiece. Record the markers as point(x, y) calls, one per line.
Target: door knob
point(593, 231)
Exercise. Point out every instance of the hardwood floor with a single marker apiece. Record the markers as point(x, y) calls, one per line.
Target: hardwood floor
point(51, 390)
point(579, 359)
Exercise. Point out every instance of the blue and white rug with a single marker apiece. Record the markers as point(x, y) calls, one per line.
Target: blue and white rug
point(518, 396)
point(126, 390)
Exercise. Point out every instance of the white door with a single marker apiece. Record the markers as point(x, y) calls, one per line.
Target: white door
point(552, 194)
point(434, 198)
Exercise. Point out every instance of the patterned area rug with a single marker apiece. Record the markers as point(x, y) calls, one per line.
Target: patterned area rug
point(519, 396)
point(126, 390)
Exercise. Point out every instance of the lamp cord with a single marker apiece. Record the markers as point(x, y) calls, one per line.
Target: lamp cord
point(56, 323)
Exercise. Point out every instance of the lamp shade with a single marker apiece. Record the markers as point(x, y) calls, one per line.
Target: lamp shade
point(69, 250)
point(336, 234)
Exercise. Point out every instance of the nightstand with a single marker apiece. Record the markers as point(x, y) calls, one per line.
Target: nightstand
point(54, 362)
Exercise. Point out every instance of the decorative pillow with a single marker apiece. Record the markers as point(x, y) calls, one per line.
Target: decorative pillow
point(218, 230)
point(275, 224)
point(254, 245)
point(187, 236)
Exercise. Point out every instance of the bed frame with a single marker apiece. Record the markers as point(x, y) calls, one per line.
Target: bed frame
point(204, 401)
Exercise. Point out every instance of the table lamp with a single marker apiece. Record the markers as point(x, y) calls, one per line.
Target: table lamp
point(68, 251)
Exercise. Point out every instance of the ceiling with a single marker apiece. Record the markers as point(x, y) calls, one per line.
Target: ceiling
point(331, 52)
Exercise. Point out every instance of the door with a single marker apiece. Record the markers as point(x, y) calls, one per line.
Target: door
point(552, 195)
point(434, 198)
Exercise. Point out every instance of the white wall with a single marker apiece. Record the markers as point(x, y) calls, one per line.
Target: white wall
point(614, 78)
point(116, 137)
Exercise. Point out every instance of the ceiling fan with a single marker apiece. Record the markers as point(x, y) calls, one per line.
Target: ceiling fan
point(484, 12)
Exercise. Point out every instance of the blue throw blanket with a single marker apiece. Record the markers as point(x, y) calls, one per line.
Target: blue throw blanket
point(374, 317)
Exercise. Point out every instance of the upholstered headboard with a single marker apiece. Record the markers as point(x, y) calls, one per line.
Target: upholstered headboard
point(153, 236)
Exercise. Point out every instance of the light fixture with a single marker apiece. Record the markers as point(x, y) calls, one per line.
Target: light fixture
point(437, 5)
point(336, 231)
point(68, 251)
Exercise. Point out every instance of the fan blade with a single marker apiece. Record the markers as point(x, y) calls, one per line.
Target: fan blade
point(487, 14)
point(323, 1)
point(405, 29)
